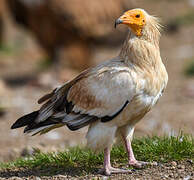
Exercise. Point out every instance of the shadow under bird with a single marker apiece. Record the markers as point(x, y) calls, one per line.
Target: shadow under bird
point(111, 97)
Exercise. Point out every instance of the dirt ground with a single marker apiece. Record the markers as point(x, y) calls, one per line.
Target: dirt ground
point(173, 113)
point(173, 170)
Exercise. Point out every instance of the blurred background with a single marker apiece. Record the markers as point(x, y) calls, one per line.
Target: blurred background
point(44, 43)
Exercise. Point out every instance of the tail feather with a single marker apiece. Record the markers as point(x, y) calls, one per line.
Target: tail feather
point(49, 128)
point(25, 120)
point(55, 112)
point(34, 125)
point(47, 118)
point(43, 129)
point(36, 131)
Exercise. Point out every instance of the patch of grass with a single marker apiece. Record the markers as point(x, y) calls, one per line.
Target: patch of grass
point(44, 63)
point(84, 161)
point(6, 49)
point(165, 149)
point(189, 69)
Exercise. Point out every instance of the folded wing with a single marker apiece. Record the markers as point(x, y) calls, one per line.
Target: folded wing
point(98, 94)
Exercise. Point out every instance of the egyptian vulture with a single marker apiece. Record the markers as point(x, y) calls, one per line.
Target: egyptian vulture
point(111, 97)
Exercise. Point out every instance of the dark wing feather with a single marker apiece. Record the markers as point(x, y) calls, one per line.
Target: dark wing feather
point(25, 120)
point(109, 118)
point(46, 97)
point(80, 122)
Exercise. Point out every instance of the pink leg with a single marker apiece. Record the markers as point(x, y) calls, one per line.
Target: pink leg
point(131, 158)
point(129, 150)
point(107, 165)
point(108, 169)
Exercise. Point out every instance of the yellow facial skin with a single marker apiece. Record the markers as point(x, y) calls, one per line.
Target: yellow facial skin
point(135, 19)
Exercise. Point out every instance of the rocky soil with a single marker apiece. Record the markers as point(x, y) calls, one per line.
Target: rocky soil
point(173, 171)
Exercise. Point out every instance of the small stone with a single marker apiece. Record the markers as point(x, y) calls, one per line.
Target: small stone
point(174, 163)
point(95, 178)
point(181, 167)
point(187, 178)
point(27, 151)
point(180, 171)
point(182, 176)
point(171, 175)
point(37, 178)
point(154, 163)
point(104, 178)
point(61, 176)
point(190, 161)
point(176, 175)
point(15, 178)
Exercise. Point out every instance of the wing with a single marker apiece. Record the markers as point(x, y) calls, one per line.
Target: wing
point(103, 94)
point(100, 93)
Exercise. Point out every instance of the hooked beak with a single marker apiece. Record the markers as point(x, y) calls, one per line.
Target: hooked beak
point(118, 21)
point(126, 18)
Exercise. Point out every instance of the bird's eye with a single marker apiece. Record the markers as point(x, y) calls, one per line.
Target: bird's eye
point(137, 16)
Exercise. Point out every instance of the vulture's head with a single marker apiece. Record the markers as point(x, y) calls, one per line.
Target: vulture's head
point(140, 22)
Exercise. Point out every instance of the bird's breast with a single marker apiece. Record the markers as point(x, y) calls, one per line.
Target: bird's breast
point(137, 108)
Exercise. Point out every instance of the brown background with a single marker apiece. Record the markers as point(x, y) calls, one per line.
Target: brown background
point(26, 73)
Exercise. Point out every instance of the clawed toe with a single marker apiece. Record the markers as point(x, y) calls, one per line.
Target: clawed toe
point(104, 171)
point(111, 170)
point(142, 164)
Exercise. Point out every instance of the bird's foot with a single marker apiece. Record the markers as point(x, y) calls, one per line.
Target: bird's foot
point(141, 164)
point(110, 170)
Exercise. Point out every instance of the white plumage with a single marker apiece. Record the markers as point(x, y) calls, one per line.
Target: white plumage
point(111, 97)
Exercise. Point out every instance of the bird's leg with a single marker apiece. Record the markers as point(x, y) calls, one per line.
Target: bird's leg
point(108, 169)
point(131, 158)
point(107, 164)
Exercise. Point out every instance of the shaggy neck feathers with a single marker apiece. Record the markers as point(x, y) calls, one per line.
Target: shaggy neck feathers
point(143, 51)
point(151, 31)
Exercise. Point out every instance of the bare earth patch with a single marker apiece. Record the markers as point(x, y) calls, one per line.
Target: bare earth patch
point(173, 170)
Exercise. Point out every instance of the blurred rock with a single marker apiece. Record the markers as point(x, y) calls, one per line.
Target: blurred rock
point(181, 167)
point(27, 151)
point(174, 163)
point(37, 178)
point(61, 176)
point(3, 102)
point(67, 30)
